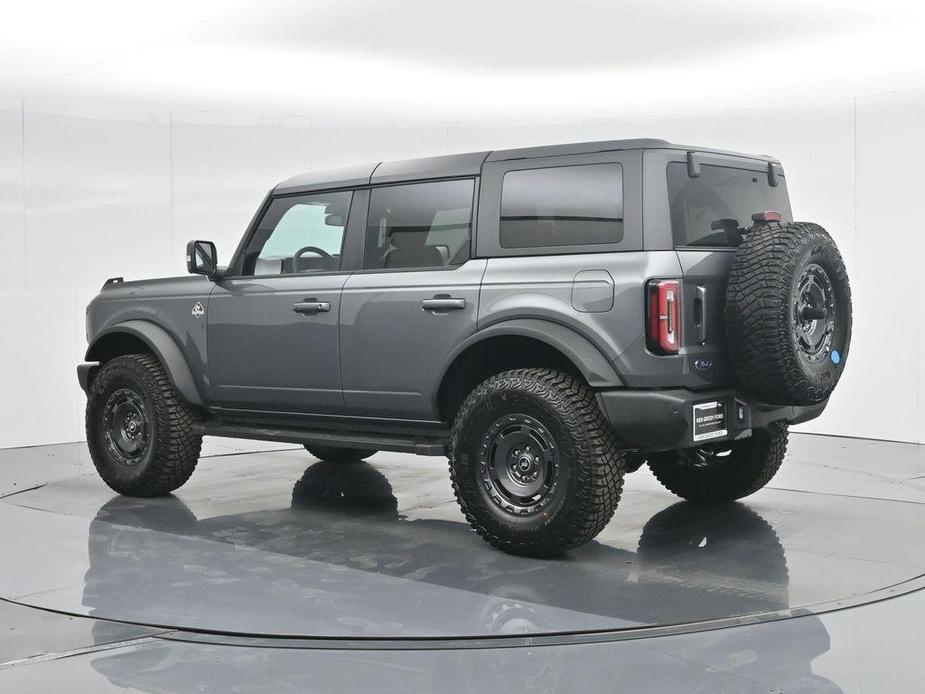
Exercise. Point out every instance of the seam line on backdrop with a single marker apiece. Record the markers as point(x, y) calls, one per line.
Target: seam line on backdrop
point(22, 181)
point(169, 259)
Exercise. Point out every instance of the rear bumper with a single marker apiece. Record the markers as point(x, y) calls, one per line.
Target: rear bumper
point(655, 420)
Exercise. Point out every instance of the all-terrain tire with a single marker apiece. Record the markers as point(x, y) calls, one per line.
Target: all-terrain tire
point(339, 455)
point(169, 456)
point(586, 477)
point(763, 324)
point(743, 469)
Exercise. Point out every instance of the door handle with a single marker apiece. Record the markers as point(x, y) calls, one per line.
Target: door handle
point(443, 304)
point(311, 306)
point(700, 314)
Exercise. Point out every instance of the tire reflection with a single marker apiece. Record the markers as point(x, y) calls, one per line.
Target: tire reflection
point(691, 563)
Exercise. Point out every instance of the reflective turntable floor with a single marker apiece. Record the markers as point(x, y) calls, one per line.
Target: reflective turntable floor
point(325, 576)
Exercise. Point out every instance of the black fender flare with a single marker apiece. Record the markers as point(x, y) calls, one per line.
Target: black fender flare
point(163, 346)
point(597, 370)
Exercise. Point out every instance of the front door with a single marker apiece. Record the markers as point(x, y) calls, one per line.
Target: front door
point(273, 328)
point(414, 300)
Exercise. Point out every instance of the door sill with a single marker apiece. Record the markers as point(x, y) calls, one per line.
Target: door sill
point(428, 442)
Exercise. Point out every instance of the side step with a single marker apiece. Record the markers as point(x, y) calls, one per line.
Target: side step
point(424, 445)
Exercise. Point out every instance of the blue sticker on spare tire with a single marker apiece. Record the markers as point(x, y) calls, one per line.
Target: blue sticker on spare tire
point(836, 357)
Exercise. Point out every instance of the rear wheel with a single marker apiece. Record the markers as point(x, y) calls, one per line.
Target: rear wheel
point(139, 430)
point(535, 465)
point(720, 473)
point(339, 455)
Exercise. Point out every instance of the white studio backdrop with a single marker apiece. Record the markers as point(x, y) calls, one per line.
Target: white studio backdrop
point(93, 189)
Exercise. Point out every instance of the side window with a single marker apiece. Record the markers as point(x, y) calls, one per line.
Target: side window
point(562, 206)
point(302, 233)
point(419, 225)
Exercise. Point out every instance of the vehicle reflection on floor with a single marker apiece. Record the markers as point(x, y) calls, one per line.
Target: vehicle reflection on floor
point(690, 563)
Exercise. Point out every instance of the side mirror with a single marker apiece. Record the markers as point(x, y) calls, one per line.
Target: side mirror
point(201, 258)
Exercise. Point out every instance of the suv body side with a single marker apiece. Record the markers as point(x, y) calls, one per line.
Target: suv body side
point(377, 354)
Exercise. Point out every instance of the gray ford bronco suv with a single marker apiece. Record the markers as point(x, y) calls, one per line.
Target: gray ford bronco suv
point(549, 318)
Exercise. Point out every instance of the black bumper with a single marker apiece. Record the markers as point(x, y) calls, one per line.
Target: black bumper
point(658, 420)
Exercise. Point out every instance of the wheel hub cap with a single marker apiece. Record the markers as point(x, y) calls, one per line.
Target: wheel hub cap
point(814, 313)
point(126, 428)
point(518, 464)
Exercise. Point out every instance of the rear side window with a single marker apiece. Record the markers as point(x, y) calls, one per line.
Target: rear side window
point(713, 208)
point(419, 225)
point(562, 206)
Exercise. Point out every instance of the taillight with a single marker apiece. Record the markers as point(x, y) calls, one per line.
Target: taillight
point(663, 333)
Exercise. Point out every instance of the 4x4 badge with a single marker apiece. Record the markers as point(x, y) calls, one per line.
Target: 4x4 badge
point(198, 310)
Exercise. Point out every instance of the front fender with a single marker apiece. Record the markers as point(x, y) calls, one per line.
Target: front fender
point(594, 366)
point(164, 348)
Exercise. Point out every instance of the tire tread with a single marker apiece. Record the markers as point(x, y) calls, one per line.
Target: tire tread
point(177, 445)
point(600, 463)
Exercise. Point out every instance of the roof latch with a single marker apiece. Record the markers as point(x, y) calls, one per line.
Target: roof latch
point(772, 174)
point(693, 166)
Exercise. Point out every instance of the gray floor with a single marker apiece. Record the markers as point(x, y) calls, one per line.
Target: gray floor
point(270, 571)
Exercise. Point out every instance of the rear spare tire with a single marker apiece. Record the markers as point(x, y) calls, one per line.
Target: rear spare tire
point(788, 313)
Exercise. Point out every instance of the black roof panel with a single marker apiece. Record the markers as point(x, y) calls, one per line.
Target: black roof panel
point(468, 164)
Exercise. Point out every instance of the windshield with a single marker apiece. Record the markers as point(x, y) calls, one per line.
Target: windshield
point(713, 208)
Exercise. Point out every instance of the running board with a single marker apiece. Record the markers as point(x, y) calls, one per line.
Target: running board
point(425, 445)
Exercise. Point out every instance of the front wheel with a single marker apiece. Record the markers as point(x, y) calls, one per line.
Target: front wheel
point(139, 429)
point(534, 464)
point(720, 473)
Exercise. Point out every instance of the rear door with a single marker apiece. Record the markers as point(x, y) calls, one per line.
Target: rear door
point(711, 200)
point(413, 300)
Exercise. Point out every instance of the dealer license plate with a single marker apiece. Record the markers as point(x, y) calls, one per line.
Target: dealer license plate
point(709, 421)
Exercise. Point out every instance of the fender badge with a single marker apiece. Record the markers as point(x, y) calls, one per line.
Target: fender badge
point(198, 310)
point(703, 364)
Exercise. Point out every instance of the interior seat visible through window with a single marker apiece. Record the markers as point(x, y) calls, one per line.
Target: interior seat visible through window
point(419, 225)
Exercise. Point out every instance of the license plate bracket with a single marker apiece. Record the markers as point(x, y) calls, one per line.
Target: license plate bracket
point(709, 421)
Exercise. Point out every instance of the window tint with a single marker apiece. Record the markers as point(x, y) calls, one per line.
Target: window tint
point(302, 233)
point(562, 206)
point(419, 225)
point(713, 208)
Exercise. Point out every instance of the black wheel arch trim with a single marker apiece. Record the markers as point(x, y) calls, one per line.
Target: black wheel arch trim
point(162, 345)
point(597, 370)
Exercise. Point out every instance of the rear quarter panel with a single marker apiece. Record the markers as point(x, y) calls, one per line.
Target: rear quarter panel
point(542, 288)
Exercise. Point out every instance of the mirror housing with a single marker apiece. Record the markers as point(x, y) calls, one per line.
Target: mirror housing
point(202, 258)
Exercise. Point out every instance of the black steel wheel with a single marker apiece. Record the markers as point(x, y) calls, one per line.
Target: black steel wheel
point(139, 430)
point(126, 426)
point(535, 465)
point(814, 308)
point(519, 464)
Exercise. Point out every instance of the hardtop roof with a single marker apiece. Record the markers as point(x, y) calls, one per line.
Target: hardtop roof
point(468, 164)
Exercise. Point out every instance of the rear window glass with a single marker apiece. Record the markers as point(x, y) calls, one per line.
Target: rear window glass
point(562, 206)
point(713, 208)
